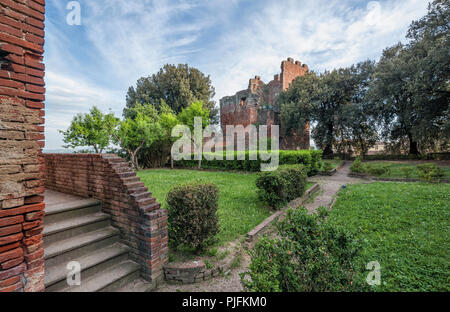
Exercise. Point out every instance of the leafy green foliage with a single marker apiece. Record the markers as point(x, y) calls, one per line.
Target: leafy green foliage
point(401, 169)
point(140, 132)
point(308, 255)
point(336, 101)
point(279, 187)
point(192, 214)
point(403, 226)
point(93, 129)
point(430, 172)
point(178, 86)
point(311, 159)
point(410, 90)
point(379, 170)
point(358, 166)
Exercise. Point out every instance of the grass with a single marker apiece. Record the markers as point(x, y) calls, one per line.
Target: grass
point(403, 226)
point(397, 171)
point(239, 208)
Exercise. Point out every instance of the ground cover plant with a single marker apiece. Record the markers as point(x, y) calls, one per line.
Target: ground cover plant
point(307, 254)
point(403, 169)
point(403, 226)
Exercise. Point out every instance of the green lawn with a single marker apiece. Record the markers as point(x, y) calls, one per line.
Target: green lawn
point(239, 207)
point(397, 172)
point(403, 226)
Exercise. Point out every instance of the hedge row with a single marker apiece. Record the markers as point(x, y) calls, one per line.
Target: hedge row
point(431, 156)
point(311, 159)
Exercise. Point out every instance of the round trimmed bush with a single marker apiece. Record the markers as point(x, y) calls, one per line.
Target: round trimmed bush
point(192, 214)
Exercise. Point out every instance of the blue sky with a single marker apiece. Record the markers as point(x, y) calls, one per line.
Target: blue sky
point(120, 41)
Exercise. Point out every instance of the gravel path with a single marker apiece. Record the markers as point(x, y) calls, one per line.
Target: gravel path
point(329, 186)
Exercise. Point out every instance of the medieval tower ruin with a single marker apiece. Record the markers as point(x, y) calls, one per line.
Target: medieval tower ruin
point(257, 104)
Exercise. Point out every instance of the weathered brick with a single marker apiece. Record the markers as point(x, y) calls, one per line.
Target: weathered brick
point(12, 229)
point(12, 272)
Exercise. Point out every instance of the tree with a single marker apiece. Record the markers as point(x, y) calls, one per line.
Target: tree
point(133, 134)
point(94, 129)
point(331, 100)
point(178, 86)
point(187, 117)
point(411, 84)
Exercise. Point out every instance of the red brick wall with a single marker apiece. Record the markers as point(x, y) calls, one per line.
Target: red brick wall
point(21, 139)
point(142, 222)
point(291, 70)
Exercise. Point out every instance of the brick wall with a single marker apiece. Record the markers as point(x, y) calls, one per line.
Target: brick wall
point(142, 222)
point(21, 139)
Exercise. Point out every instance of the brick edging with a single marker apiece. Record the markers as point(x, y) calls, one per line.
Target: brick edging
point(195, 271)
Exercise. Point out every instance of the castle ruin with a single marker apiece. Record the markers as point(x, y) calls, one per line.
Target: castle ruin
point(257, 105)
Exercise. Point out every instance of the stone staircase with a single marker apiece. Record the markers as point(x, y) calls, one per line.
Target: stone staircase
point(77, 230)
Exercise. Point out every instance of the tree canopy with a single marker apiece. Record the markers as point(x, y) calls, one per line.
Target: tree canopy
point(93, 129)
point(177, 86)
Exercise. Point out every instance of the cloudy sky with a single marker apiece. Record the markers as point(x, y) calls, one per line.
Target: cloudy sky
point(120, 41)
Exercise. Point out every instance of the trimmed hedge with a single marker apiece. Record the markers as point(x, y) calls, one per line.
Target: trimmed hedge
point(192, 214)
point(279, 187)
point(430, 156)
point(311, 159)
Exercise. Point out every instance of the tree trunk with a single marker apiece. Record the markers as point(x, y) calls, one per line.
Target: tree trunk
point(328, 150)
point(413, 146)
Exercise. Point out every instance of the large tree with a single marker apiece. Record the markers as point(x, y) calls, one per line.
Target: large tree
point(411, 90)
point(178, 86)
point(333, 101)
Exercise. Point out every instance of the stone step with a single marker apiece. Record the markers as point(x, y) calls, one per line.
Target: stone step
point(91, 264)
point(67, 210)
point(110, 279)
point(137, 285)
point(78, 246)
point(67, 228)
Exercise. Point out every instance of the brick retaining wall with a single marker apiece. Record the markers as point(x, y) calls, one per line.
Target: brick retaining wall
point(21, 139)
point(142, 222)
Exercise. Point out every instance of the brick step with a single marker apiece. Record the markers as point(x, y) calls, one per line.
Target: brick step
point(80, 245)
point(91, 264)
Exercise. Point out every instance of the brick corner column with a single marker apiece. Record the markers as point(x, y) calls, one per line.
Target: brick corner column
point(22, 94)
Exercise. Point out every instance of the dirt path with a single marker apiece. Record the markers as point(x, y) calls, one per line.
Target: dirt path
point(329, 186)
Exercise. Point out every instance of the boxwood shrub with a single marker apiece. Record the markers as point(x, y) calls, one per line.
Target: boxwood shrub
point(311, 159)
point(192, 214)
point(279, 187)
